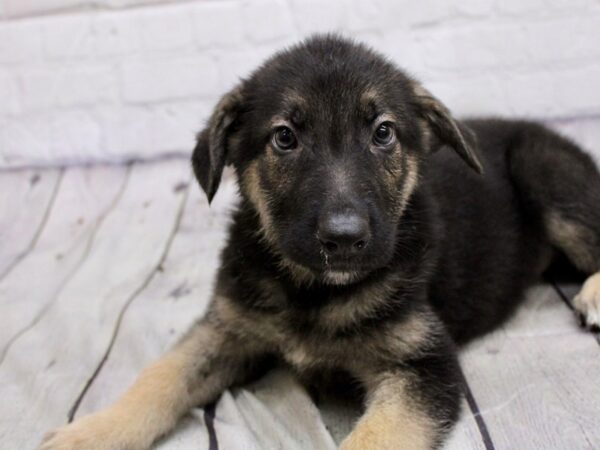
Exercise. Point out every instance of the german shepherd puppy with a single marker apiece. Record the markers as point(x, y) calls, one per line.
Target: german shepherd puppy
point(374, 235)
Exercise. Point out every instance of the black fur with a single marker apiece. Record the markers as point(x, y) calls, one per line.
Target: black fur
point(449, 248)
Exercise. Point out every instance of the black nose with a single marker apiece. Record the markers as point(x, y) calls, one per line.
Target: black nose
point(343, 233)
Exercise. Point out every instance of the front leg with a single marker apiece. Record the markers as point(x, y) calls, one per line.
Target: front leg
point(203, 364)
point(409, 407)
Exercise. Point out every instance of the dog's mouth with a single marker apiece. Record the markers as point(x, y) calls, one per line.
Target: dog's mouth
point(341, 277)
point(335, 268)
point(342, 272)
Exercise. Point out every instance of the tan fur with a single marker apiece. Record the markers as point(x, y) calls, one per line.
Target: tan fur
point(410, 182)
point(251, 184)
point(147, 410)
point(360, 305)
point(247, 324)
point(587, 302)
point(294, 99)
point(301, 275)
point(162, 393)
point(410, 337)
point(392, 421)
point(368, 97)
point(574, 240)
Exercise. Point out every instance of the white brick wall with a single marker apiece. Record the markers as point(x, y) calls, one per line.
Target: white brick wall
point(110, 80)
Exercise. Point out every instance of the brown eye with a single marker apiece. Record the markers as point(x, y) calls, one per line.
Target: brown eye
point(284, 139)
point(384, 135)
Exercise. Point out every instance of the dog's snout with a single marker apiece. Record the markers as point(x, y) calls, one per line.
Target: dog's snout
point(343, 233)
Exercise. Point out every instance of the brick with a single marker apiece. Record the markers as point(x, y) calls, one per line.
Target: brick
point(384, 16)
point(166, 28)
point(406, 50)
point(20, 42)
point(176, 125)
point(76, 136)
point(560, 94)
point(312, 16)
point(416, 13)
point(476, 8)
point(363, 15)
point(172, 78)
point(476, 48)
point(576, 91)
point(569, 6)
point(9, 94)
point(51, 138)
point(236, 65)
point(128, 131)
point(147, 77)
point(529, 95)
point(67, 38)
point(563, 39)
point(150, 131)
point(115, 34)
point(218, 24)
point(472, 96)
point(26, 140)
point(519, 7)
point(21, 8)
point(3, 160)
point(127, 3)
point(67, 86)
point(267, 20)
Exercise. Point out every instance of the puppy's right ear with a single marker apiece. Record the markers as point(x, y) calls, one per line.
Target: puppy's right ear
point(210, 154)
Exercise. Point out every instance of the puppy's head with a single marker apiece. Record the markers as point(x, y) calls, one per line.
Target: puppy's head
point(327, 139)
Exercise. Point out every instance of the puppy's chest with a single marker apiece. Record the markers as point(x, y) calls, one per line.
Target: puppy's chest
point(313, 347)
point(344, 331)
point(316, 352)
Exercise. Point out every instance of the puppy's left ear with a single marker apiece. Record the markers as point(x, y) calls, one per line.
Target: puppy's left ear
point(446, 130)
point(210, 155)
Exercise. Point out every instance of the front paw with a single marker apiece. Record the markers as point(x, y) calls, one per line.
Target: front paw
point(587, 302)
point(99, 431)
point(389, 429)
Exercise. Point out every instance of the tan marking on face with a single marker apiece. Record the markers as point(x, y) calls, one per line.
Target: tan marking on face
point(426, 134)
point(279, 121)
point(251, 184)
point(369, 98)
point(392, 421)
point(410, 171)
point(293, 98)
point(410, 182)
point(300, 274)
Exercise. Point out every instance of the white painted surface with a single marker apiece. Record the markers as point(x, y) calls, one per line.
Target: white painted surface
point(20, 228)
point(85, 80)
point(45, 369)
point(531, 378)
